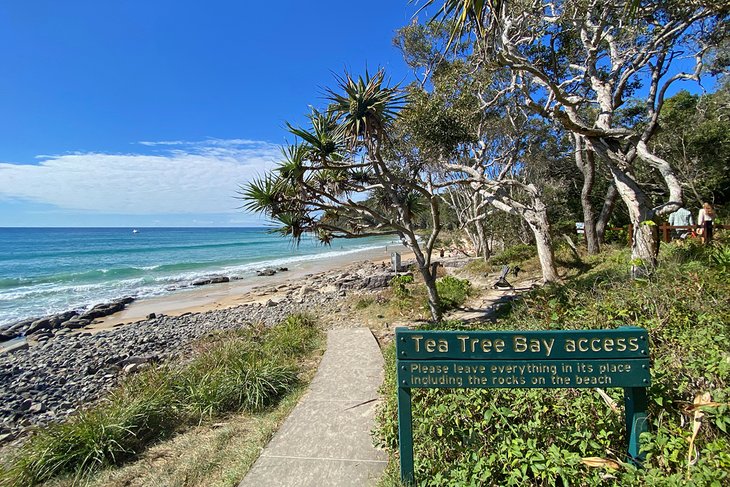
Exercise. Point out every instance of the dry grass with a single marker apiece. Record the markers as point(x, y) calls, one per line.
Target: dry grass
point(211, 455)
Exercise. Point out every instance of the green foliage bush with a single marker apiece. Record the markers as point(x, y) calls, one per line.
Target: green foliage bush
point(514, 254)
point(452, 292)
point(618, 236)
point(540, 436)
point(245, 370)
point(399, 285)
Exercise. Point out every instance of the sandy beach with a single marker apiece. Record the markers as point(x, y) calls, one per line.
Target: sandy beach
point(258, 289)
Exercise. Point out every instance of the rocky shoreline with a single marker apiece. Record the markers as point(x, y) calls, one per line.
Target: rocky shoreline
point(42, 329)
point(45, 327)
point(62, 369)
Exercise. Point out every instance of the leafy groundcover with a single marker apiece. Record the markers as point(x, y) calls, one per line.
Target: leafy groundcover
point(576, 436)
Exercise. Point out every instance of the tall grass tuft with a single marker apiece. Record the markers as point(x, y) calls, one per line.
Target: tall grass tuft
point(238, 371)
point(140, 411)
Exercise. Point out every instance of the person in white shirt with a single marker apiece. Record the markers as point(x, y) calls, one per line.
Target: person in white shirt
point(681, 218)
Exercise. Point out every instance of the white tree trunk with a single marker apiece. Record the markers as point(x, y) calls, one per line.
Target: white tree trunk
point(645, 234)
point(541, 230)
point(536, 219)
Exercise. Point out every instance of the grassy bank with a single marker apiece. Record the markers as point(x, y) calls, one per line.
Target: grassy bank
point(549, 436)
point(244, 371)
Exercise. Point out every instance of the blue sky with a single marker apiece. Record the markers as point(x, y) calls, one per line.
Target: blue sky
point(138, 113)
point(152, 113)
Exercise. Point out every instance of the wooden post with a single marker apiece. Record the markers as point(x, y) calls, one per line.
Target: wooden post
point(405, 435)
point(665, 231)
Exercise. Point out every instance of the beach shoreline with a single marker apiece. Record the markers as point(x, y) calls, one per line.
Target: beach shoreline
point(225, 290)
point(48, 380)
point(49, 272)
point(256, 289)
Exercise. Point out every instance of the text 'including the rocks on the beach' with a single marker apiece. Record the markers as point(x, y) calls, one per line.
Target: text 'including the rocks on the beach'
point(560, 358)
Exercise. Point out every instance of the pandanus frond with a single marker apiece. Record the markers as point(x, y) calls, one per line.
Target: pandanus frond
point(330, 215)
point(482, 13)
point(360, 176)
point(293, 225)
point(333, 181)
point(325, 237)
point(262, 195)
point(415, 203)
point(365, 105)
point(323, 140)
point(292, 167)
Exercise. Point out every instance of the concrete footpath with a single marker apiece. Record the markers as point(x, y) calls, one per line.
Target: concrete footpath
point(326, 439)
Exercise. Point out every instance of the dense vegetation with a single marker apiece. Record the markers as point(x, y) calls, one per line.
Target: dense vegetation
point(576, 437)
point(247, 370)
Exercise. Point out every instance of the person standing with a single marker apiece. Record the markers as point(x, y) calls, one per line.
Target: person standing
point(706, 214)
point(681, 218)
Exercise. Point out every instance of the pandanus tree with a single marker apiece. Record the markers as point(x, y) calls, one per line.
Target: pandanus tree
point(344, 177)
point(579, 63)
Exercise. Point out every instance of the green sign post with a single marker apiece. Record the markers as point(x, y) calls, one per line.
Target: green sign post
point(535, 359)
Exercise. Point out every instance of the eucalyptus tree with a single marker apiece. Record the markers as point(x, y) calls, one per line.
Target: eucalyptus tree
point(694, 136)
point(472, 214)
point(578, 62)
point(483, 152)
point(498, 168)
point(347, 176)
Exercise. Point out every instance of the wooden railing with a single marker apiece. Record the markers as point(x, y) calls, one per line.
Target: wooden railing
point(708, 230)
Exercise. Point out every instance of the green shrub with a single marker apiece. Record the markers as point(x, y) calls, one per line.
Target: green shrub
point(720, 259)
point(514, 254)
point(540, 436)
point(399, 285)
point(452, 292)
point(140, 411)
point(618, 236)
point(243, 370)
point(232, 378)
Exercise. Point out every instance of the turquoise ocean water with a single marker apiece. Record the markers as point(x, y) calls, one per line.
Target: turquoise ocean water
point(50, 270)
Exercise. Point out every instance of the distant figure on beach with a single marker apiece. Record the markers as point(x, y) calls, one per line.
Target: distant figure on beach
point(706, 214)
point(681, 218)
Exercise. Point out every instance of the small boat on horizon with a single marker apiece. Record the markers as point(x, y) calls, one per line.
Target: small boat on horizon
point(135, 231)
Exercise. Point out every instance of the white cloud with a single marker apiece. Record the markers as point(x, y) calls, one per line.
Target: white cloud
point(161, 142)
point(198, 177)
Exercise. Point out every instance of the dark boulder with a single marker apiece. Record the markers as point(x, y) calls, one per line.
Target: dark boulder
point(211, 280)
point(42, 324)
point(76, 322)
point(6, 335)
point(105, 309)
point(16, 327)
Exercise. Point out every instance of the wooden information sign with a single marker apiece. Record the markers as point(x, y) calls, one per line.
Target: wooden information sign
point(544, 359)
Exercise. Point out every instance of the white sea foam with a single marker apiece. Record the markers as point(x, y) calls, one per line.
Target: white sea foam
point(47, 298)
